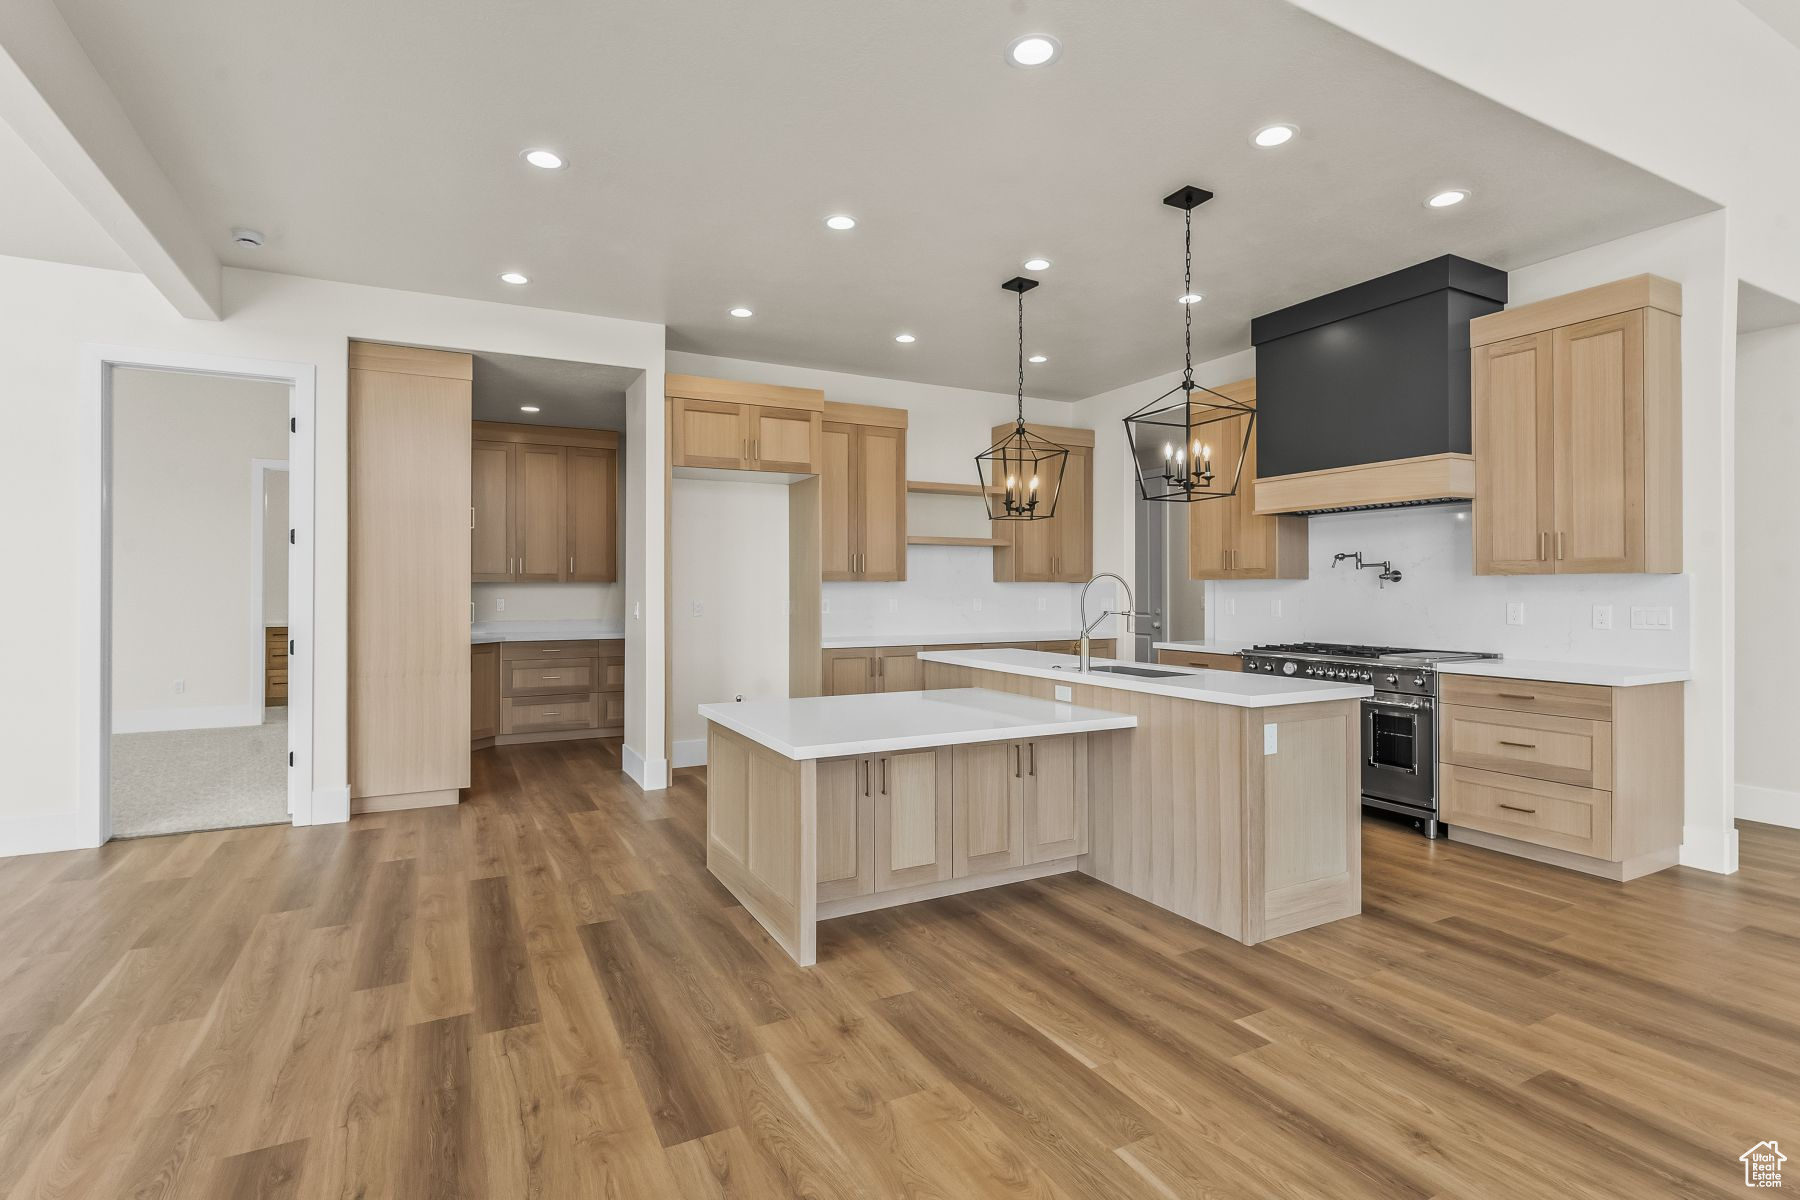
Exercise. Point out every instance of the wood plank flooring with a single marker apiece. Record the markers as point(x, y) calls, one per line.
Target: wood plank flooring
point(541, 993)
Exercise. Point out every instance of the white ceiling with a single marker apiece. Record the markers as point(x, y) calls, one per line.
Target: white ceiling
point(1759, 309)
point(379, 143)
point(40, 219)
point(574, 394)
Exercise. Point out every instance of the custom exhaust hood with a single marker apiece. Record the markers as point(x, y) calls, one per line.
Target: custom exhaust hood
point(1363, 394)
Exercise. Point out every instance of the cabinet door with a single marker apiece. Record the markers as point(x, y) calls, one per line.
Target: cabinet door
point(837, 518)
point(484, 691)
point(1212, 534)
point(849, 673)
point(1514, 486)
point(899, 671)
point(846, 830)
point(538, 531)
point(1056, 818)
point(783, 439)
point(1074, 521)
point(490, 531)
point(1599, 461)
point(881, 502)
point(989, 806)
point(913, 838)
point(593, 514)
point(709, 433)
point(1256, 542)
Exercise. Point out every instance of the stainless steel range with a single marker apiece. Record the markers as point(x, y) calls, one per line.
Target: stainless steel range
point(1399, 729)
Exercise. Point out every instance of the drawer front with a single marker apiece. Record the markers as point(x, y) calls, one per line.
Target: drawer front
point(1581, 700)
point(509, 651)
point(1561, 749)
point(611, 675)
point(612, 709)
point(1532, 810)
point(549, 714)
point(1098, 648)
point(1194, 658)
point(537, 675)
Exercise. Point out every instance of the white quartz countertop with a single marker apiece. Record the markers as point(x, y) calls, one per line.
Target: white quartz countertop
point(484, 632)
point(1602, 674)
point(964, 638)
point(1212, 647)
point(1239, 689)
point(836, 726)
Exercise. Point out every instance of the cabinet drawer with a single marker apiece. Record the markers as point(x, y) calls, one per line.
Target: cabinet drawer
point(1528, 695)
point(1532, 810)
point(512, 651)
point(539, 675)
point(612, 709)
point(610, 675)
point(549, 714)
point(1195, 658)
point(1562, 749)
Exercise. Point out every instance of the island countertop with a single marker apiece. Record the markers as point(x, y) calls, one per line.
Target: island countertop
point(814, 727)
point(1183, 683)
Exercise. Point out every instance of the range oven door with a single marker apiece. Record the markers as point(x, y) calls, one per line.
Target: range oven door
point(1399, 742)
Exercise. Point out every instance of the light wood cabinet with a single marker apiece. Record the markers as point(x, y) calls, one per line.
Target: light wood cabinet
point(722, 424)
point(1195, 658)
point(1227, 538)
point(484, 691)
point(862, 474)
point(1577, 433)
point(1018, 803)
point(545, 504)
point(857, 671)
point(1056, 798)
point(275, 666)
point(1059, 548)
point(1572, 774)
point(546, 691)
point(846, 829)
point(884, 822)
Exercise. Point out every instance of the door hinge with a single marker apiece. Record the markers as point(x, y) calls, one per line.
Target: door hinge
point(293, 424)
point(290, 647)
point(291, 540)
point(290, 758)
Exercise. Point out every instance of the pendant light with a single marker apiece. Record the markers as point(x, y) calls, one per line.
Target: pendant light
point(1190, 443)
point(1022, 473)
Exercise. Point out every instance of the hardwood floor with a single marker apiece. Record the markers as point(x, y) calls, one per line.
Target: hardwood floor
point(541, 993)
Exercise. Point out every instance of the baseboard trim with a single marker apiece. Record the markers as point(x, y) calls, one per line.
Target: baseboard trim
point(1622, 871)
point(1768, 806)
point(1708, 849)
point(650, 774)
point(166, 720)
point(689, 752)
point(331, 806)
point(851, 905)
point(43, 833)
point(436, 798)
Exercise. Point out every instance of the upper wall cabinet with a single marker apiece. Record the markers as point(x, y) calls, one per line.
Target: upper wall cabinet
point(1226, 537)
point(1059, 548)
point(1577, 433)
point(722, 424)
point(545, 504)
point(862, 474)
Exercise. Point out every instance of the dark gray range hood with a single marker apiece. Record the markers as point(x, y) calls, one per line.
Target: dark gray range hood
point(1362, 395)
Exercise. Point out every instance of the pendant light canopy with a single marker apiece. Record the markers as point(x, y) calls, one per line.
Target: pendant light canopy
point(1023, 471)
point(1190, 443)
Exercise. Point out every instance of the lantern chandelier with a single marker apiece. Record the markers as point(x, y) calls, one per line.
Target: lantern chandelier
point(1190, 442)
point(1021, 474)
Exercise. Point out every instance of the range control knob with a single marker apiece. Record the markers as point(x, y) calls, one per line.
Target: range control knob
point(1365, 677)
point(1288, 668)
point(1418, 680)
point(1393, 679)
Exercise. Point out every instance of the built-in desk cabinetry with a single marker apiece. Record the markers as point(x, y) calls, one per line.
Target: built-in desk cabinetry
point(545, 504)
point(546, 691)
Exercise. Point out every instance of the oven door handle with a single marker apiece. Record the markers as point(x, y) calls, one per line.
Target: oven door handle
point(1423, 704)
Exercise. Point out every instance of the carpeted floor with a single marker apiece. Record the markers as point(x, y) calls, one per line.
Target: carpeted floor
point(182, 780)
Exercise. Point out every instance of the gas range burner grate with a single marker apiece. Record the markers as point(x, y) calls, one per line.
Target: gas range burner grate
point(1336, 649)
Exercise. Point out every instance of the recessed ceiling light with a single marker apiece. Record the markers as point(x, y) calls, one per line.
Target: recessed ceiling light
point(1037, 358)
point(250, 239)
point(1191, 298)
point(1446, 198)
point(514, 278)
point(905, 339)
point(840, 221)
point(1272, 135)
point(1037, 264)
point(1033, 50)
point(529, 408)
point(549, 160)
point(742, 312)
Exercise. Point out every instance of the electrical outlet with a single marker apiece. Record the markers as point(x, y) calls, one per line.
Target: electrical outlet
point(1270, 741)
point(1658, 617)
point(499, 603)
point(1231, 606)
point(699, 609)
point(180, 686)
point(975, 604)
point(1042, 604)
point(893, 606)
point(1603, 616)
point(1515, 613)
point(637, 611)
point(824, 606)
point(1064, 692)
point(1275, 607)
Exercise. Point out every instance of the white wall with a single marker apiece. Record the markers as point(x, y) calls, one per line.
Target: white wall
point(1768, 563)
point(48, 311)
point(728, 635)
point(184, 513)
point(948, 427)
point(275, 547)
point(603, 602)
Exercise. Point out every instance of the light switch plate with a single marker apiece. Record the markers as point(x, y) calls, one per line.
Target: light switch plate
point(975, 604)
point(1042, 604)
point(1659, 617)
point(1275, 607)
point(1064, 692)
point(1515, 613)
point(499, 603)
point(699, 609)
point(1269, 732)
point(1603, 616)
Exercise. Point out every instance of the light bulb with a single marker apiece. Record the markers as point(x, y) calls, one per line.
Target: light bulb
point(1168, 450)
point(1034, 483)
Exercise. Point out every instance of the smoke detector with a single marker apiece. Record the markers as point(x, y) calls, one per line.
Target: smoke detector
point(251, 238)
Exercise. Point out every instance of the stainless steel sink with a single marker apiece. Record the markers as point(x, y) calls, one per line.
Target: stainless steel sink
point(1138, 672)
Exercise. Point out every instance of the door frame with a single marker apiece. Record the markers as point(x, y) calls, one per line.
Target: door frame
point(94, 572)
point(259, 471)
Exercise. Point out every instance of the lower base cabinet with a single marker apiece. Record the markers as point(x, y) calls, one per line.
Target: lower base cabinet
point(545, 691)
point(1199, 658)
point(863, 669)
point(889, 822)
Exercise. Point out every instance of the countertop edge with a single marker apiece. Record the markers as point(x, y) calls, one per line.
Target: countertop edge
point(1316, 693)
point(1593, 674)
point(719, 714)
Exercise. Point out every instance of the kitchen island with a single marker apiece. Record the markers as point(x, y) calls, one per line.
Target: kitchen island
point(825, 805)
point(1234, 800)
